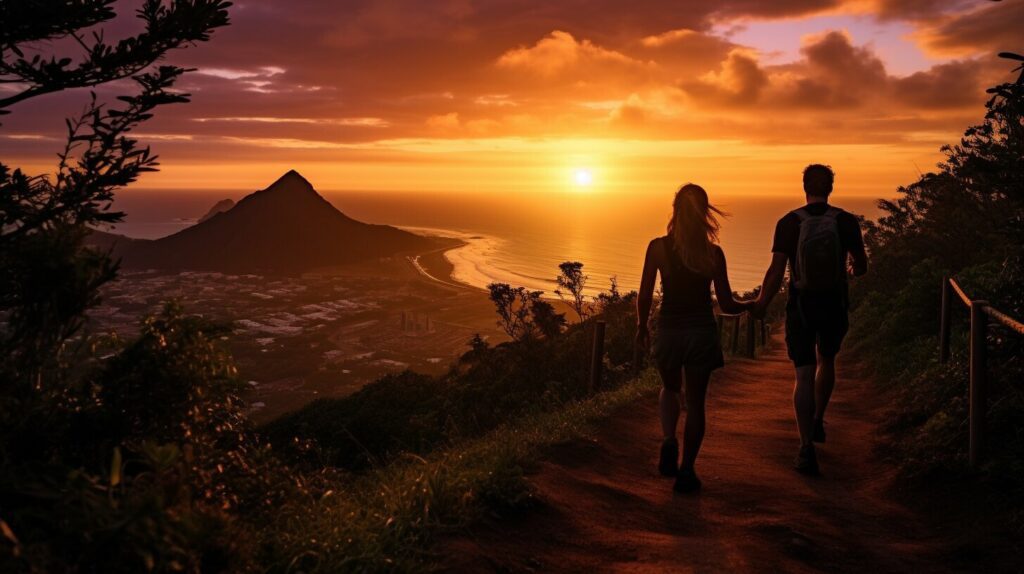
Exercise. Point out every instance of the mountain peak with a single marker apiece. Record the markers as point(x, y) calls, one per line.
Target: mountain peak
point(292, 180)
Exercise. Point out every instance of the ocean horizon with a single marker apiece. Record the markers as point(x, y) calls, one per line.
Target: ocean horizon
point(519, 240)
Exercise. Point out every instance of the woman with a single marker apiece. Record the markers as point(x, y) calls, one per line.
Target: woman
point(689, 260)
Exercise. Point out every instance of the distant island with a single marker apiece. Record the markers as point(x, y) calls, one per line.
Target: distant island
point(286, 228)
point(219, 207)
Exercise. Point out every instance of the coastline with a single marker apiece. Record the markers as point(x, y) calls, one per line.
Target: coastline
point(434, 265)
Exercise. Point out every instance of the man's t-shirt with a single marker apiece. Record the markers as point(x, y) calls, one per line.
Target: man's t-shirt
point(787, 234)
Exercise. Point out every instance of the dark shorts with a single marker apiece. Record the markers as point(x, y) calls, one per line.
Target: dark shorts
point(690, 347)
point(815, 323)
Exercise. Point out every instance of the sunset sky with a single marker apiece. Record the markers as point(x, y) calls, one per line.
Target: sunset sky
point(501, 96)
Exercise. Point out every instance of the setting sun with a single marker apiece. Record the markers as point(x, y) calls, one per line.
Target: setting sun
point(583, 177)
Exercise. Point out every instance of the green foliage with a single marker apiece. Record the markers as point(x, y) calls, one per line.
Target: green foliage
point(142, 464)
point(523, 314)
point(116, 457)
point(967, 221)
point(488, 388)
point(168, 25)
point(571, 282)
point(385, 519)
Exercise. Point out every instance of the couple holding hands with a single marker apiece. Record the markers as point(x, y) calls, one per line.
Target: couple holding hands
point(819, 243)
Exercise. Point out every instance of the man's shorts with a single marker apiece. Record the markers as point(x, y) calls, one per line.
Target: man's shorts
point(815, 323)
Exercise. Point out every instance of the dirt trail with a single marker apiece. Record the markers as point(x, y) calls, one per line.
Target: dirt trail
point(604, 508)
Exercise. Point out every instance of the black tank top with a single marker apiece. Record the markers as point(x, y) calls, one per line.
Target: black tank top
point(686, 294)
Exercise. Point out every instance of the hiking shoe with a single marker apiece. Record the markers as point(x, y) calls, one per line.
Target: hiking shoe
point(686, 481)
point(819, 431)
point(807, 460)
point(669, 457)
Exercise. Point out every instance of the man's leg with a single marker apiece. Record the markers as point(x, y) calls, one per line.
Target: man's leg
point(824, 383)
point(803, 402)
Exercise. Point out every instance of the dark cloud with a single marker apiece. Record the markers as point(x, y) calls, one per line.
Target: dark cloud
point(992, 27)
point(335, 73)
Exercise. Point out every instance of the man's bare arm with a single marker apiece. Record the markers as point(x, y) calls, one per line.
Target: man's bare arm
point(772, 281)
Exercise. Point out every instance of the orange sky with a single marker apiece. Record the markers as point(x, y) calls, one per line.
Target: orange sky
point(498, 96)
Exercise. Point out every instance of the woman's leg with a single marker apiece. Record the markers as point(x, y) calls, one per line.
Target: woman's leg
point(669, 401)
point(693, 432)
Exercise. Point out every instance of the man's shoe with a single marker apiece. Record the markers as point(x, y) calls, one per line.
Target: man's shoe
point(669, 457)
point(807, 460)
point(819, 431)
point(686, 481)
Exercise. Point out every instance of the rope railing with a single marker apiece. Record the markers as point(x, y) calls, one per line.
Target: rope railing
point(981, 312)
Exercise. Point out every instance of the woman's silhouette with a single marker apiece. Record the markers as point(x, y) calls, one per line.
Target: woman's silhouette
point(686, 345)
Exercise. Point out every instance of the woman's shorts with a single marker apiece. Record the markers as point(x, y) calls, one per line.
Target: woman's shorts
point(691, 347)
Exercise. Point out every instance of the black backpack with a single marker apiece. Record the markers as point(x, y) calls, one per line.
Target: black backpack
point(819, 252)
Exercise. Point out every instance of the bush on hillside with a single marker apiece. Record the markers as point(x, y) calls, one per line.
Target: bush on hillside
point(964, 221)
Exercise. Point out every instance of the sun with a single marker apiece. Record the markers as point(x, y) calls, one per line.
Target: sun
point(583, 177)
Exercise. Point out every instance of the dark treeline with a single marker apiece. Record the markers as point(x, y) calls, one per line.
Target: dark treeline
point(965, 220)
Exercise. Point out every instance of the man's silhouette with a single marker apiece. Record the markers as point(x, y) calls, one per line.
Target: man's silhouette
point(816, 241)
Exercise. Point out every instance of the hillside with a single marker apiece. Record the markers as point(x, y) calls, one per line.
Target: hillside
point(285, 228)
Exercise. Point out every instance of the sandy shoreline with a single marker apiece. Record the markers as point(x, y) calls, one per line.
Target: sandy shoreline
point(434, 265)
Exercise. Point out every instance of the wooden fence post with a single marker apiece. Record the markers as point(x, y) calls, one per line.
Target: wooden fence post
point(764, 333)
point(721, 322)
point(979, 382)
point(597, 358)
point(945, 320)
point(751, 334)
point(735, 334)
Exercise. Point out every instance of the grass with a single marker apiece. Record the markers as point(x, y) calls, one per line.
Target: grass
point(387, 519)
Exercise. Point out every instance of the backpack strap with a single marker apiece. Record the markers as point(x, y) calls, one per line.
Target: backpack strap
point(804, 215)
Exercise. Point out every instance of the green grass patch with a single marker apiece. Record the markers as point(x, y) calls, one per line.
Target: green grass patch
point(386, 519)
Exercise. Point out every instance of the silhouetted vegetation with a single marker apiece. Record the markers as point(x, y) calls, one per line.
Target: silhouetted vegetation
point(571, 282)
point(541, 369)
point(964, 220)
point(115, 456)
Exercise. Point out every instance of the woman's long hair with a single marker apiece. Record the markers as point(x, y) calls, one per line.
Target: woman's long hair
point(693, 229)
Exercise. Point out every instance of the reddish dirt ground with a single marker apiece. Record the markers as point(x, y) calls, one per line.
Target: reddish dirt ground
point(603, 507)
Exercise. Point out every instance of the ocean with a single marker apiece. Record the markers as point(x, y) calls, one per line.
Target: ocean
point(520, 239)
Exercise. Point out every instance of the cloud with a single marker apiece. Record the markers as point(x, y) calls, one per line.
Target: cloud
point(444, 121)
point(740, 79)
point(361, 71)
point(917, 9)
point(992, 27)
point(667, 38)
point(559, 51)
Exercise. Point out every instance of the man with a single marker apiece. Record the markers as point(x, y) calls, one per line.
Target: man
point(821, 244)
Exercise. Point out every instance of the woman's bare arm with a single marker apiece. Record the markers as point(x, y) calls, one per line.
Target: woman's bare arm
point(723, 290)
point(645, 298)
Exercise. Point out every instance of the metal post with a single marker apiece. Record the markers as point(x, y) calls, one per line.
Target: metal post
point(735, 334)
point(979, 382)
point(751, 341)
point(597, 358)
point(944, 320)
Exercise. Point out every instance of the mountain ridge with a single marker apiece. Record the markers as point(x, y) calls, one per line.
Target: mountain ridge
point(285, 228)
